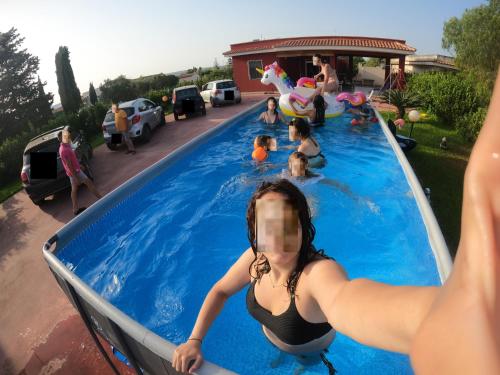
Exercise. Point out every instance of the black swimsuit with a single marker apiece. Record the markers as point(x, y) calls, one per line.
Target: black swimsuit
point(289, 327)
point(276, 119)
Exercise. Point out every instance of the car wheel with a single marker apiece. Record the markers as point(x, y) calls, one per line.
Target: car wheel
point(238, 101)
point(212, 102)
point(176, 116)
point(162, 118)
point(146, 133)
point(112, 146)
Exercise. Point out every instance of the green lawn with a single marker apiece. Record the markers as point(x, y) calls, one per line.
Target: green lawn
point(10, 189)
point(440, 170)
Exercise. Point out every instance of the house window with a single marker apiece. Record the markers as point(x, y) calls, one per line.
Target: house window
point(252, 72)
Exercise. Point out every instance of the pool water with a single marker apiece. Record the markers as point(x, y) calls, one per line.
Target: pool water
point(157, 253)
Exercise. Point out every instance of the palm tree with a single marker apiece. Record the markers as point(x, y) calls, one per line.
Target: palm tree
point(401, 100)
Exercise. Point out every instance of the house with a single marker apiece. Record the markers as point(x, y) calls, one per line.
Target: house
point(294, 55)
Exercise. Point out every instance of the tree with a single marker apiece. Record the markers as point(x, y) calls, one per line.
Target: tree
point(475, 39)
point(162, 81)
point(401, 100)
point(42, 105)
point(22, 98)
point(118, 89)
point(356, 60)
point(92, 94)
point(68, 90)
point(372, 61)
point(216, 63)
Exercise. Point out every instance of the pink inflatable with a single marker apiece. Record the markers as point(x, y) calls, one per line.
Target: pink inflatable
point(356, 99)
point(306, 82)
point(299, 98)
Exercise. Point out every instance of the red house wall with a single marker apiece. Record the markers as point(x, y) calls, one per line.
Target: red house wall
point(240, 72)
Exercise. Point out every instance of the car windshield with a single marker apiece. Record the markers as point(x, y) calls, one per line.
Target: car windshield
point(226, 85)
point(110, 116)
point(185, 93)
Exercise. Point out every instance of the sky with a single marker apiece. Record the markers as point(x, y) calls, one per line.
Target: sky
point(109, 38)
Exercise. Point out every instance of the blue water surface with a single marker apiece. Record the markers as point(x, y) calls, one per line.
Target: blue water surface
point(157, 253)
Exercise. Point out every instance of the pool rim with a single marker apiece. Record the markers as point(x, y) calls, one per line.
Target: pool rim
point(162, 347)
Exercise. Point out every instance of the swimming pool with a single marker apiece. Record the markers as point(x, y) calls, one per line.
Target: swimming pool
point(157, 252)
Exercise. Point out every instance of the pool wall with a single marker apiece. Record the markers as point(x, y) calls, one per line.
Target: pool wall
point(146, 351)
point(436, 239)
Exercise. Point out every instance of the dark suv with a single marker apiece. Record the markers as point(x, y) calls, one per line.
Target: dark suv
point(187, 100)
point(42, 173)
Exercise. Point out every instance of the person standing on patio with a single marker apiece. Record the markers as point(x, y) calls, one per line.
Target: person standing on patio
point(73, 170)
point(122, 125)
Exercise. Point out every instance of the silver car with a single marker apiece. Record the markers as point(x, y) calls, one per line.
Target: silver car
point(222, 91)
point(143, 116)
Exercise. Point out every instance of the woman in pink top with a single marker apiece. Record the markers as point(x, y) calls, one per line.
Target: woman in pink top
point(73, 170)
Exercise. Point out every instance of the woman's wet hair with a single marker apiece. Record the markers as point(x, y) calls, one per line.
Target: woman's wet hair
point(273, 99)
point(307, 252)
point(299, 155)
point(263, 140)
point(302, 127)
point(319, 107)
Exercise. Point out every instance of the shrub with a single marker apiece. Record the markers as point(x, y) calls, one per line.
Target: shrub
point(450, 96)
point(157, 95)
point(11, 155)
point(469, 125)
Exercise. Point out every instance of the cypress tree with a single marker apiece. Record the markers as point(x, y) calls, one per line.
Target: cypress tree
point(69, 93)
point(92, 94)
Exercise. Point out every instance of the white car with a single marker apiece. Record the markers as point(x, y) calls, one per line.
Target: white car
point(221, 92)
point(144, 116)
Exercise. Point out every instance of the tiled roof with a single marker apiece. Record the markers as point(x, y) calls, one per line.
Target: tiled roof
point(335, 42)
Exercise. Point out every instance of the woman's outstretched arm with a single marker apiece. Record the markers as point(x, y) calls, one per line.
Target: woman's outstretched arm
point(450, 329)
point(370, 312)
point(463, 324)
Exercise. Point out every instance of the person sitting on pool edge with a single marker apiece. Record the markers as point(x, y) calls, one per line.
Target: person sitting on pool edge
point(262, 144)
point(271, 116)
point(316, 116)
point(308, 145)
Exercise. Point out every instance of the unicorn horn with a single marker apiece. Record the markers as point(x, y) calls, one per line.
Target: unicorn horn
point(260, 70)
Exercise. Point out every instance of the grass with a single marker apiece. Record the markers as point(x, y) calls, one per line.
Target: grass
point(440, 170)
point(11, 188)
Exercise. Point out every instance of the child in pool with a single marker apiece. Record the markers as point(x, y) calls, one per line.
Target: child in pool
point(362, 114)
point(262, 144)
point(298, 168)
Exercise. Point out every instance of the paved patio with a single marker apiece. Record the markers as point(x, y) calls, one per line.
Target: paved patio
point(41, 332)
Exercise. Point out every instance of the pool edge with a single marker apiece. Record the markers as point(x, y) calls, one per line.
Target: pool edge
point(435, 236)
point(94, 309)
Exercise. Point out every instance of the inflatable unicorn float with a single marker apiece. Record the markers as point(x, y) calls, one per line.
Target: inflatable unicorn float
point(290, 95)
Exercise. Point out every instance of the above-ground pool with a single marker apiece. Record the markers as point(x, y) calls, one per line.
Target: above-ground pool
point(157, 252)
